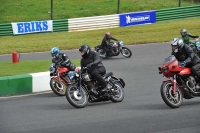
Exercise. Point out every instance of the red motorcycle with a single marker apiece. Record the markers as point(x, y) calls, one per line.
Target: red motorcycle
point(180, 83)
point(60, 78)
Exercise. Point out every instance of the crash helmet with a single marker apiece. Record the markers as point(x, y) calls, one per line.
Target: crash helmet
point(85, 50)
point(177, 44)
point(55, 51)
point(107, 35)
point(183, 32)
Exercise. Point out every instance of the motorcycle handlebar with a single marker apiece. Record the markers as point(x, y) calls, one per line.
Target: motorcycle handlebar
point(85, 68)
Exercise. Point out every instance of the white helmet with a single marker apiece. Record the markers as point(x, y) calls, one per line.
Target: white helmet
point(177, 42)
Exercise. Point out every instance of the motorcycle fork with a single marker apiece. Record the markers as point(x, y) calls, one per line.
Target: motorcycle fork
point(174, 84)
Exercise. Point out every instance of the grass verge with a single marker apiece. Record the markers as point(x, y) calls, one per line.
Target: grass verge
point(24, 67)
point(152, 33)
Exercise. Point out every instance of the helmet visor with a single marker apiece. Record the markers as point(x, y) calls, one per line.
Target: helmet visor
point(82, 52)
point(53, 54)
point(174, 48)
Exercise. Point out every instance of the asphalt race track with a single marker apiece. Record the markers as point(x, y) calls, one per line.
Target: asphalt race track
point(142, 110)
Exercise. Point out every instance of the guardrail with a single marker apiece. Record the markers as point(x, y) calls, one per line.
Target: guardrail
point(177, 13)
point(6, 29)
point(93, 23)
point(60, 25)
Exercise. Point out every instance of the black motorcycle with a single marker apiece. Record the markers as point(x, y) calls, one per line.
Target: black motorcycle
point(79, 92)
point(116, 47)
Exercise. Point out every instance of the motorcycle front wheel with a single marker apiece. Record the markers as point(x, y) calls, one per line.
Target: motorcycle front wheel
point(77, 97)
point(173, 101)
point(126, 52)
point(58, 88)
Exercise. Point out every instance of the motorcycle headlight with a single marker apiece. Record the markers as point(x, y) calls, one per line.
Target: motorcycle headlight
point(121, 43)
point(85, 77)
point(198, 47)
point(165, 69)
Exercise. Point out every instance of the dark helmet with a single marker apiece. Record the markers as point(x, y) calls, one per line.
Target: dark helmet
point(107, 35)
point(55, 52)
point(178, 43)
point(85, 50)
point(183, 32)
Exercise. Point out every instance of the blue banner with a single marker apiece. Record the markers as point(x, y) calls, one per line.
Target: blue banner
point(137, 18)
point(31, 27)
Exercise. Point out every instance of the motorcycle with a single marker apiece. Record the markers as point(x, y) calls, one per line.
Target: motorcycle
point(180, 83)
point(59, 79)
point(116, 47)
point(196, 47)
point(79, 92)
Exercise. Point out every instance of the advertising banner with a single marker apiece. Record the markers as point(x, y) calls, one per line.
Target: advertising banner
point(137, 18)
point(32, 27)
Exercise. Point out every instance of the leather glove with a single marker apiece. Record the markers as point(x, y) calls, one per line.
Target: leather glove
point(182, 64)
point(89, 65)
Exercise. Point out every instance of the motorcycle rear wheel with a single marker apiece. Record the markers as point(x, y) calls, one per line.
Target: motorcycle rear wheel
point(76, 98)
point(166, 91)
point(102, 53)
point(56, 88)
point(126, 52)
point(117, 93)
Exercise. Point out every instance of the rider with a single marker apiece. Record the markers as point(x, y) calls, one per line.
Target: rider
point(186, 36)
point(62, 59)
point(186, 56)
point(96, 69)
point(105, 44)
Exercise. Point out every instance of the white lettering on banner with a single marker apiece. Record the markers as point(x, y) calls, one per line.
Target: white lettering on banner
point(137, 19)
point(31, 27)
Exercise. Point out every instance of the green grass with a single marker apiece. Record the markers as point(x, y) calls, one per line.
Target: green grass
point(32, 10)
point(158, 32)
point(24, 67)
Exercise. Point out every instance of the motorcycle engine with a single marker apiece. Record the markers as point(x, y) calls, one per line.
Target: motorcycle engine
point(90, 85)
point(191, 82)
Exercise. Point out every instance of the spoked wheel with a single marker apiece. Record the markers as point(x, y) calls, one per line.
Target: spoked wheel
point(77, 97)
point(126, 52)
point(117, 93)
point(173, 101)
point(58, 88)
point(102, 53)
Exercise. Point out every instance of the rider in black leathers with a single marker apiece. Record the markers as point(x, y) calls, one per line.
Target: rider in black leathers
point(105, 44)
point(62, 59)
point(186, 56)
point(96, 69)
